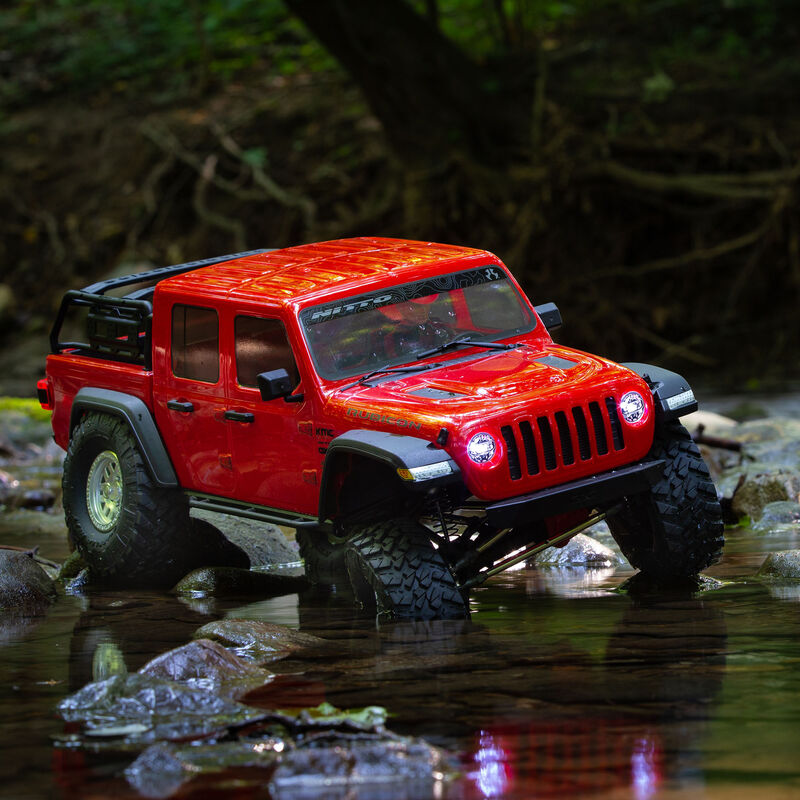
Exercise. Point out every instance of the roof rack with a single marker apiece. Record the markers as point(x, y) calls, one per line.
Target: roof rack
point(119, 328)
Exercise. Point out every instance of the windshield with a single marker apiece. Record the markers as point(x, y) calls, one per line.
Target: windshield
point(397, 324)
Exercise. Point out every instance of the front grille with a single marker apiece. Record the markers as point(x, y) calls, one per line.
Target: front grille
point(581, 433)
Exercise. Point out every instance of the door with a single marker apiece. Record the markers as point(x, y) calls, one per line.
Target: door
point(189, 401)
point(275, 463)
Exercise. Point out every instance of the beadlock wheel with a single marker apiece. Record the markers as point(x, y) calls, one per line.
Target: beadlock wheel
point(104, 491)
point(129, 531)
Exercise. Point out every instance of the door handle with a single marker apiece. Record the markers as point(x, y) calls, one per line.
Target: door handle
point(240, 416)
point(180, 405)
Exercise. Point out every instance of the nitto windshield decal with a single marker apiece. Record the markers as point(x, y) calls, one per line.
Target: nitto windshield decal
point(399, 294)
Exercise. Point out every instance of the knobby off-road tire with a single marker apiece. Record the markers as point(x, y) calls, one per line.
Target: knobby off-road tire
point(129, 531)
point(393, 565)
point(676, 530)
point(324, 561)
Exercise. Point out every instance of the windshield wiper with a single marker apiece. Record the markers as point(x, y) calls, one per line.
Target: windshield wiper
point(388, 371)
point(465, 341)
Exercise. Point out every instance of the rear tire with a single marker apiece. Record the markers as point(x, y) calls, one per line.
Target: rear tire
point(394, 565)
point(128, 530)
point(324, 561)
point(676, 530)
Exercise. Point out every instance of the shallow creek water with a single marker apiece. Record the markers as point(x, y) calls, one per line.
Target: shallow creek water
point(556, 687)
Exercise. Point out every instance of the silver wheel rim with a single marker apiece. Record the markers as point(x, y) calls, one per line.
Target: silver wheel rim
point(104, 491)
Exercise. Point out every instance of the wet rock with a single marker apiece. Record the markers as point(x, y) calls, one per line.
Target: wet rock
point(646, 587)
point(162, 769)
point(747, 410)
point(134, 710)
point(72, 567)
point(775, 516)
point(264, 544)
point(33, 524)
point(296, 760)
point(580, 551)
point(221, 581)
point(37, 499)
point(211, 548)
point(263, 642)
point(783, 565)
point(204, 664)
point(760, 489)
point(398, 769)
point(25, 588)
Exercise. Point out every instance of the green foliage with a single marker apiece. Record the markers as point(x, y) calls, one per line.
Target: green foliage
point(133, 44)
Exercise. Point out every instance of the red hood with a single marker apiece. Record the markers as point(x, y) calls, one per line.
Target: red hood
point(503, 393)
point(468, 388)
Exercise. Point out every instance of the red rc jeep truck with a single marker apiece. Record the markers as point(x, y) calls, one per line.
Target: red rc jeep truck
point(400, 404)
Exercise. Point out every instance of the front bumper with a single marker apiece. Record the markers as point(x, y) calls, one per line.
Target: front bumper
point(583, 493)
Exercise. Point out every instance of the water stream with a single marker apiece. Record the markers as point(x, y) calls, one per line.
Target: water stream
point(556, 686)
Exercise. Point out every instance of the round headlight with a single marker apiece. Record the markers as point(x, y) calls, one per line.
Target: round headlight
point(632, 407)
point(481, 448)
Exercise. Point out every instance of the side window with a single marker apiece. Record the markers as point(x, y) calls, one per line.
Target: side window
point(261, 346)
point(195, 343)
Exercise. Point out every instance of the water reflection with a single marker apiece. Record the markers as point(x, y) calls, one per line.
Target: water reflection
point(555, 687)
point(618, 723)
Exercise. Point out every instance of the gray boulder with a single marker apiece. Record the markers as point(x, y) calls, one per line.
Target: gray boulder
point(25, 588)
point(264, 544)
point(783, 565)
point(759, 489)
point(580, 551)
point(778, 516)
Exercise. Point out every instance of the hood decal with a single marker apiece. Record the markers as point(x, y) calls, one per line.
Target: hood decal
point(556, 361)
point(386, 419)
point(432, 393)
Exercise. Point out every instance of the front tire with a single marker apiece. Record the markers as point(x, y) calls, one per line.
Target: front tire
point(128, 530)
point(394, 565)
point(676, 530)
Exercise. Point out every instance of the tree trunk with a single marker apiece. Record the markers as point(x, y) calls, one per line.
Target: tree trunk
point(432, 100)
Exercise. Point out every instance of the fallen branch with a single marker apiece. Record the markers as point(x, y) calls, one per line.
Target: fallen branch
point(700, 437)
point(750, 186)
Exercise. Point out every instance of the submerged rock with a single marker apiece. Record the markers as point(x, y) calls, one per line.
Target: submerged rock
point(318, 753)
point(216, 581)
point(263, 642)
point(402, 768)
point(25, 587)
point(162, 769)
point(137, 709)
point(204, 664)
point(783, 565)
point(580, 551)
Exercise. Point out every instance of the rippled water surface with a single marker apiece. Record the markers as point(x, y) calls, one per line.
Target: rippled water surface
point(557, 686)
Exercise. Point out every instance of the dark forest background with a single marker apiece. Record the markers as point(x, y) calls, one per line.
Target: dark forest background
point(637, 161)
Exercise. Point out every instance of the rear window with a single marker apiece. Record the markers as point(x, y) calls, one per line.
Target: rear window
point(195, 343)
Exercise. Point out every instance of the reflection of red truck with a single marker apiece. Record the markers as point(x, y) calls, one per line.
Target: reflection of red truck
point(401, 404)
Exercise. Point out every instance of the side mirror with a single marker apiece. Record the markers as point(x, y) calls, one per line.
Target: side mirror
point(550, 315)
point(274, 384)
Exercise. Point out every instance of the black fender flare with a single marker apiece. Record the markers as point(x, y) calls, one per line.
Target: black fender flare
point(428, 466)
point(672, 394)
point(138, 418)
